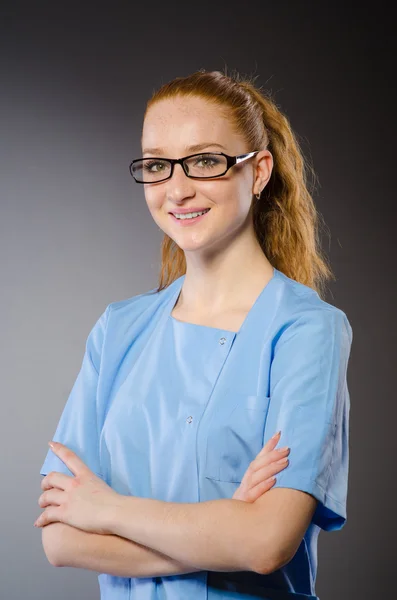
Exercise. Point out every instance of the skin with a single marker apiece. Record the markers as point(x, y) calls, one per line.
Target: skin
point(223, 243)
point(220, 535)
point(75, 522)
point(207, 535)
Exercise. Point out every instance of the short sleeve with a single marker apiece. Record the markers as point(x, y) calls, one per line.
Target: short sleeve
point(78, 425)
point(310, 404)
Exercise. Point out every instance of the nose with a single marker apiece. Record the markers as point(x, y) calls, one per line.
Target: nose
point(179, 185)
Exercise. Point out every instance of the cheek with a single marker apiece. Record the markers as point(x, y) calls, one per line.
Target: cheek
point(235, 204)
point(153, 199)
point(156, 204)
point(224, 196)
point(242, 201)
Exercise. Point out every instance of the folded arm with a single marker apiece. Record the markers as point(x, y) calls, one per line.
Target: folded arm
point(219, 535)
point(66, 546)
point(279, 518)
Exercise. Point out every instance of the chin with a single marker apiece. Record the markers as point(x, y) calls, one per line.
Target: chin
point(190, 245)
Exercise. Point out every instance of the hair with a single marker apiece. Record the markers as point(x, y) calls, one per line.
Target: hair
point(285, 220)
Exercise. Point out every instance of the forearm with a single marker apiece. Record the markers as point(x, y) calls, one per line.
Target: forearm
point(216, 535)
point(109, 554)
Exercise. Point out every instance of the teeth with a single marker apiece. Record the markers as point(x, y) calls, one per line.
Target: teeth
point(190, 215)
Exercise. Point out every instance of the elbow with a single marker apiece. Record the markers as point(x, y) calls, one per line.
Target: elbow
point(271, 557)
point(271, 564)
point(53, 541)
point(273, 550)
point(54, 561)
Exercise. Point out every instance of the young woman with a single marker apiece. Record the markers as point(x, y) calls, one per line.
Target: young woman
point(161, 477)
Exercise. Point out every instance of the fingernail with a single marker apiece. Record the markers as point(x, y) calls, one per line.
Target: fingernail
point(51, 444)
point(270, 479)
point(276, 434)
point(282, 449)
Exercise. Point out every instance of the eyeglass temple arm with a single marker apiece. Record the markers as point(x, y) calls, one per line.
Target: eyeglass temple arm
point(243, 157)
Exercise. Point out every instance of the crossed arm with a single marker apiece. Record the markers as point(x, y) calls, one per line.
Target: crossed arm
point(154, 538)
point(66, 546)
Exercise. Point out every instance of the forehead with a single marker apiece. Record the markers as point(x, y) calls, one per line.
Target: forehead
point(178, 122)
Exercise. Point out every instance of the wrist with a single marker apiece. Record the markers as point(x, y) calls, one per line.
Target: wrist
point(113, 514)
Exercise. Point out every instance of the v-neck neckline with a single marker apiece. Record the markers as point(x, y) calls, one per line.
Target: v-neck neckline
point(174, 298)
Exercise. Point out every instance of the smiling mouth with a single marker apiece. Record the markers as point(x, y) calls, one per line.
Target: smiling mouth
point(192, 215)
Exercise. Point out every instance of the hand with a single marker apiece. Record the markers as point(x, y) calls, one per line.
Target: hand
point(83, 501)
point(256, 478)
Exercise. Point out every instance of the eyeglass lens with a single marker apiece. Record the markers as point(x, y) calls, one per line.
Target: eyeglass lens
point(149, 170)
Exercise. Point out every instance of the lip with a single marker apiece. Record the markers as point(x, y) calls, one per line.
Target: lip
point(188, 222)
point(183, 211)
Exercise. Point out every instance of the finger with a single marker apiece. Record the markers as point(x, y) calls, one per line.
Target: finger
point(50, 515)
point(258, 470)
point(270, 457)
point(51, 497)
point(270, 444)
point(261, 488)
point(268, 471)
point(278, 453)
point(250, 492)
point(70, 459)
point(55, 480)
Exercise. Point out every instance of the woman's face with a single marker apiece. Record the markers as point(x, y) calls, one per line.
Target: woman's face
point(174, 126)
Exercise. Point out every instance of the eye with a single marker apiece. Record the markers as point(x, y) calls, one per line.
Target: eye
point(208, 161)
point(149, 166)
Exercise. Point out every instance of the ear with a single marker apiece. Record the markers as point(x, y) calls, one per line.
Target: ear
point(263, 170)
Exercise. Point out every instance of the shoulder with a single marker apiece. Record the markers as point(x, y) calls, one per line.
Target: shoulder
point(132, 309)
point(300, 307)
point(135, 303)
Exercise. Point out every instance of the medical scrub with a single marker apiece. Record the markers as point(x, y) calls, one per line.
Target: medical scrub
point(176, 411)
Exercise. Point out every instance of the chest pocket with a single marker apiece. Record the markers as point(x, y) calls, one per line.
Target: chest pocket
point(236, 438)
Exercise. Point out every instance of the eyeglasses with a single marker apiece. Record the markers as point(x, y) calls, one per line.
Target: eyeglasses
point(205, 165)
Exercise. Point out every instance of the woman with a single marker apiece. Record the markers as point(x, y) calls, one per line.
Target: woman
point(184, 386)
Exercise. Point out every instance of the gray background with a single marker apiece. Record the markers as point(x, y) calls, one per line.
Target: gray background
point(75, 233)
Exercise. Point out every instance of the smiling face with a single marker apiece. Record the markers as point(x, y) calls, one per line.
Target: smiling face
point(174, 126)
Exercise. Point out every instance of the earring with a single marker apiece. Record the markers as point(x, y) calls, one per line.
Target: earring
point(257, 196)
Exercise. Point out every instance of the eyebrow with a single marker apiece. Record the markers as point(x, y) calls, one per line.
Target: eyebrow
point(194, 148)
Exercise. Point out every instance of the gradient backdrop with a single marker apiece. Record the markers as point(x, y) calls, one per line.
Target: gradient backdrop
point(75, 232)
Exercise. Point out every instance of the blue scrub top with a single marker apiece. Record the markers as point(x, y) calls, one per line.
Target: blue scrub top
point(175, 411)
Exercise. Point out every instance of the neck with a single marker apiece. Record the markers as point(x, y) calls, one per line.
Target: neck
point(225, 281)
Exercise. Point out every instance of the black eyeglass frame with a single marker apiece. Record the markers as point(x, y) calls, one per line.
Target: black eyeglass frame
point(231, 161)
